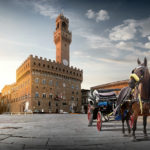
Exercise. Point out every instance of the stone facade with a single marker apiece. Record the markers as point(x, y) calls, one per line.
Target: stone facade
point(46, 86)
point(85, 94)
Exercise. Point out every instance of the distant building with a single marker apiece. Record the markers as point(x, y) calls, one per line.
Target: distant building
point(112, 85)
point(47, 86)
point(84, 100)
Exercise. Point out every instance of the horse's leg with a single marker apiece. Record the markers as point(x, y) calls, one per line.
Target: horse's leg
point(127, 121)
point(144, 125)
point(122, 118)
point(134, 127)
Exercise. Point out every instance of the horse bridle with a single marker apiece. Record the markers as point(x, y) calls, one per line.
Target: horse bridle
point(136, 78)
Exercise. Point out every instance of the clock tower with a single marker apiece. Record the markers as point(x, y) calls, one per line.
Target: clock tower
point(62, 39)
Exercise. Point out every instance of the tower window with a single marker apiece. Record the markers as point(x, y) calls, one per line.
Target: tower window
point(64, 25)
point(57, 26)
point(38, 103)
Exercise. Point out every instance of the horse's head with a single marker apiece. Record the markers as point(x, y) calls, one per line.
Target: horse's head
point(139, 73)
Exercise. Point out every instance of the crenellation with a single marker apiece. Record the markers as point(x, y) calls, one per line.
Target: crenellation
point(30, 56)
point(36, 57)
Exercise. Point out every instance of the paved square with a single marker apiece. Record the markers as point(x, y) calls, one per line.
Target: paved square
point(65, 131)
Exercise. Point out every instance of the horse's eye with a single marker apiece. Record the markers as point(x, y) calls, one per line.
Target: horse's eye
point(142, 72)
point(133, 71)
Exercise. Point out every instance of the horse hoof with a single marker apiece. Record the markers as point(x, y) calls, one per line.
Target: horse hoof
point(129, 135)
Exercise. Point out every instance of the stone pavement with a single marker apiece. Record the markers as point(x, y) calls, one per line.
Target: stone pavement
point(65, 131)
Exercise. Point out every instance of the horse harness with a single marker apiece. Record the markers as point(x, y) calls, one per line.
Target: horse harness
point(137, 81)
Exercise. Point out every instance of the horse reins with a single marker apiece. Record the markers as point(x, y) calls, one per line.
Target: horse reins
point(138, 80)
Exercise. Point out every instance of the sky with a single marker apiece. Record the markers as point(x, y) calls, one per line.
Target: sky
point(107, 36)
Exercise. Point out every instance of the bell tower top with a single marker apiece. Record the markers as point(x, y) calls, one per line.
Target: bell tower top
point(62, 39)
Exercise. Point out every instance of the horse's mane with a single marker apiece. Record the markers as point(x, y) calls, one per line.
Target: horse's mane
point(145, 85)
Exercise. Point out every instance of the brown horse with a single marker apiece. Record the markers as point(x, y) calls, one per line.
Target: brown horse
point(124, 107)
point(142, 91)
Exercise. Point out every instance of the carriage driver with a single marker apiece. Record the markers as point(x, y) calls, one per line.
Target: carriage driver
point(92, 103)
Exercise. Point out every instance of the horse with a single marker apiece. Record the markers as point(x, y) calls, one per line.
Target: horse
point(141, 101)
point(124, 107)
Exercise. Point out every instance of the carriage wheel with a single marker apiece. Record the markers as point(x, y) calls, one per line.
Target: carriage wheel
point(131, 121)
point(89, 113)
point(99, 121)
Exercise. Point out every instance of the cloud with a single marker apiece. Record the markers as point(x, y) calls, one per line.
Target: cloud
point(90, 14)
point(147, 45)
point(97, 41)
point(129, 29)
point(102, 15)
point(45, 10)
point(125, 31)
point(129, 46)
point(144, 25)
point(43, 7)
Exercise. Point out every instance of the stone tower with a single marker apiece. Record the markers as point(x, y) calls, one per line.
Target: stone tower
point(62, 39)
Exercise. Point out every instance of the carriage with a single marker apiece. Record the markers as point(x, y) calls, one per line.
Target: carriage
point(104, 102)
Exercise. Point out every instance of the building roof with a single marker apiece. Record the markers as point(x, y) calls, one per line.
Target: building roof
point(110, 84)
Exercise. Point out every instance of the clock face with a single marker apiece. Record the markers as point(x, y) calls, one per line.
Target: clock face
point(65, 62)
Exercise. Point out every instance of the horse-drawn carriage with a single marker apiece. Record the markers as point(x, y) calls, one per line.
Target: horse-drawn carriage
point(135, 101)
point(101, 105)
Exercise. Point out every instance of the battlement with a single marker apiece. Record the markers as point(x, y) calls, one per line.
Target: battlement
point(61, 16)
point(53, 62)
point(44, 64)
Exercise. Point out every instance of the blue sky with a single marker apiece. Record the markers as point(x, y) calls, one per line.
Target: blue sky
point(107, 36)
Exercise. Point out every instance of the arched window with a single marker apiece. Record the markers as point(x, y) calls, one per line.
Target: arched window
point(64, 25)
point(57, 26)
